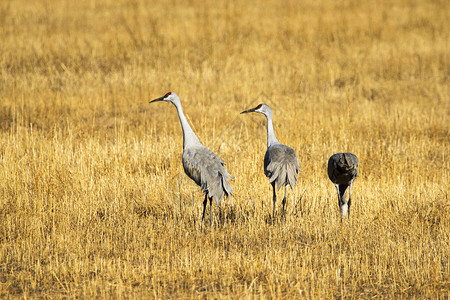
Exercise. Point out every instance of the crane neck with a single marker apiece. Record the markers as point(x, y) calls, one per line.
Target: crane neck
point(271, 139)
point(189, 137)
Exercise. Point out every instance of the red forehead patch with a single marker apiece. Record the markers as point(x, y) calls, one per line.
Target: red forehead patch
point(259, 106)
point(168, 94)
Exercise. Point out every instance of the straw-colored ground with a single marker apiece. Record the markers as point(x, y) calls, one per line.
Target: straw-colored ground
point(93, 198)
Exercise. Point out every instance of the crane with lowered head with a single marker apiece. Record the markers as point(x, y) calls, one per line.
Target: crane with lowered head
point(343, 168)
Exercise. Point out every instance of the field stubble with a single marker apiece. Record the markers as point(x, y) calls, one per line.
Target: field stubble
point(94, 201)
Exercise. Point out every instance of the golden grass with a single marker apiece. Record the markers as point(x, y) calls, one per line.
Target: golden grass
point(94, 202)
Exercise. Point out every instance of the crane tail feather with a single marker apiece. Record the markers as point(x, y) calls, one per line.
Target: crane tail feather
point(220, 187)
point(291, 171)
point(284, 174)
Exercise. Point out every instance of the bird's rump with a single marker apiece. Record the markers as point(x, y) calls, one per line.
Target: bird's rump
point(343, 167)
point(208, 171)
point(281, 165)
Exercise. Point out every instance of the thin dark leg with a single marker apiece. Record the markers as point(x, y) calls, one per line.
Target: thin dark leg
point(339, 199)
point(349, 198)
point(284, 204)
point(349, 203)
point(210, 211)
point(204, 206)
point(274, 200)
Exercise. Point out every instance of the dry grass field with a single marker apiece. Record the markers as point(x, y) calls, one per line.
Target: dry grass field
point(93, 198)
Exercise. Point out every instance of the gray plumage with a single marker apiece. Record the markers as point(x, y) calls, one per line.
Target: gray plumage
point(343, 168)
point(281, 165)
point(199, 163)
point(208, 171)
point(280, 161)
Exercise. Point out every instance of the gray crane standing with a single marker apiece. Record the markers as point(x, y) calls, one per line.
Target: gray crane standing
point(280, 161)
point(343, 168)
point(200, 163)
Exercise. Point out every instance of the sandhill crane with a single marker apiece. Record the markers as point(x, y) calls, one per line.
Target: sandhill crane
point(200, 163)
point(280, 161)
point(343, 168)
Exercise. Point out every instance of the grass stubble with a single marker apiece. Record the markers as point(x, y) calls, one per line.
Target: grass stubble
point(93, 199)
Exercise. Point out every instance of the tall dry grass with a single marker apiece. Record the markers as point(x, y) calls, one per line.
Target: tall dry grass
point(93, 199)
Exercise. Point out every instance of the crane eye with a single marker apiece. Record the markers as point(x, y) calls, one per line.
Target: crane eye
point(167, 95)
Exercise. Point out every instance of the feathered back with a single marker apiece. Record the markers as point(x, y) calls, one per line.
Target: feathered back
point(343, 168)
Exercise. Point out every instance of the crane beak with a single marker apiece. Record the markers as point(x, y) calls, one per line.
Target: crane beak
point(158, 99)
point(248, 111)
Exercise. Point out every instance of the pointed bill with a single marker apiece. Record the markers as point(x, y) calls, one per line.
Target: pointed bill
point(249, 110)
point(158, 99)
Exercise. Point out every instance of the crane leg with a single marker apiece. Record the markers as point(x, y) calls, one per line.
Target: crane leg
point(284, 204)
point(210, 211)
point(339, 194)
point(339, 199)
point(204, 206)
point(349, 198)
point(274, 200)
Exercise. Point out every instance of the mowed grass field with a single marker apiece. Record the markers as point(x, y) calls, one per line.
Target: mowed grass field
point(93, 198)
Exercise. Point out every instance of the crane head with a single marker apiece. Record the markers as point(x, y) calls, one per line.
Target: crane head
point(168, 97)
point(261, 108)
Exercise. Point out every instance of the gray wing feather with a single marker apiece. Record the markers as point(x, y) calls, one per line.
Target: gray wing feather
point(208, 171)
point(343, 168)
point(281, 165)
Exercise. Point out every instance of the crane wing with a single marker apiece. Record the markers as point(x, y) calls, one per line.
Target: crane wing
point(208, 171)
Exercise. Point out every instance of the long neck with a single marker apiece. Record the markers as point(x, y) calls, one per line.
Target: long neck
point(189, 137)
point(271, 139)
